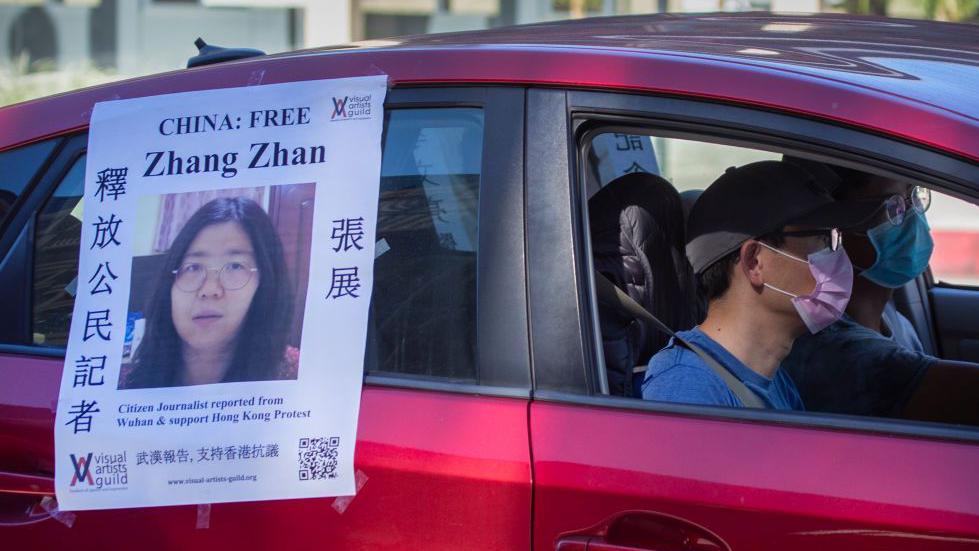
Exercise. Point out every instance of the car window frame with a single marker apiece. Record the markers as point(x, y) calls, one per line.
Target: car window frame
point(702, 120)
point(502, 341)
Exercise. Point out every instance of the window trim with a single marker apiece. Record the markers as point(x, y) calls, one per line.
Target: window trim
point(746, 127)
point(436, 385)
point(559, 354)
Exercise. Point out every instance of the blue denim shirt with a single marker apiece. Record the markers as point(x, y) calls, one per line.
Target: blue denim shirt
point(677, 374)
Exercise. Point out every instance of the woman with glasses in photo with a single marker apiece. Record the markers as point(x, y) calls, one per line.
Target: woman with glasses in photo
point(222, 309)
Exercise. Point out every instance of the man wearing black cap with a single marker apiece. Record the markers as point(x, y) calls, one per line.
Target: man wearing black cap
point(871, 361)
point(764, 242)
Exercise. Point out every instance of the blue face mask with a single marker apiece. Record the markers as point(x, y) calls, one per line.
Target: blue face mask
point(903, 251)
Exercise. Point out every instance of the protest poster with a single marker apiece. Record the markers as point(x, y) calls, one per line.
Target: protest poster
point(617, 154)
point(217, 340)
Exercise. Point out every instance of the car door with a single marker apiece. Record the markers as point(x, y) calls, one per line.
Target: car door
point(442, 455)
point(622, 473)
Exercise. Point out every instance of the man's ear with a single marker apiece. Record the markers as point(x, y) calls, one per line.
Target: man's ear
point(751, 262)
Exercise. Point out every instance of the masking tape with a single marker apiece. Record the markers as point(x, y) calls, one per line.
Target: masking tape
point(256, 77)
point(341, 503)
point(50, 504)
point(203, 516)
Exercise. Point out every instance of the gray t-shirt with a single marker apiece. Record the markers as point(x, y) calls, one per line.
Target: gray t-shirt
point(898, 328)
point(848, 368)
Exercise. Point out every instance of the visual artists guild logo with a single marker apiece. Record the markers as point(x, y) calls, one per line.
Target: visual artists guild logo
point(83, 469)
point(339, 108)
point(351, 108)
point(99, 471)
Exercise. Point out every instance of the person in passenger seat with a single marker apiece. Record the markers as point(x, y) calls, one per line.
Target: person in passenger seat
point(764, 243)
point(871, 360)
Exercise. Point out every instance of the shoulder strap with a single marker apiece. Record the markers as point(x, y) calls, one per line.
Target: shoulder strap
point(610, 294)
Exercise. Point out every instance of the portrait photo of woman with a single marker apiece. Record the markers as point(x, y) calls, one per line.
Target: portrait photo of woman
point(222, 307)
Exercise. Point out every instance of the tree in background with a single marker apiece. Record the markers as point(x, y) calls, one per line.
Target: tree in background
point(942, 10)
point(952, 10)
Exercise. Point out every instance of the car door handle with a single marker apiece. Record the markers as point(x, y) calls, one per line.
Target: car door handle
point(642, 531)
point(577, 543)
point(572, 543)
point(580, 543)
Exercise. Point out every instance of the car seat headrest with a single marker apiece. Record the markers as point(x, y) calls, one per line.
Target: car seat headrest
point(637, 238)
point(688, 198)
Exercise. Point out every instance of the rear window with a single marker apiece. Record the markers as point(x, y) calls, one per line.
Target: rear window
point(423, 312)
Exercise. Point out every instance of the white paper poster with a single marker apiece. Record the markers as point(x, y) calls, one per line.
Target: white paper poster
point(217, 341)
point(619, 154)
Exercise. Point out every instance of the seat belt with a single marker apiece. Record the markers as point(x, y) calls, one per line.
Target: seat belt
point(610, 294)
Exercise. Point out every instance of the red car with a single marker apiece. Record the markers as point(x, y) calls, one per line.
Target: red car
point(486, 419)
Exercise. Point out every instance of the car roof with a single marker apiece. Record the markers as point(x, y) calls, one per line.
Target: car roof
point(907, 78)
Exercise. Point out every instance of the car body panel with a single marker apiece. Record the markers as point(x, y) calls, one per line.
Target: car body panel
point(872, 73)
point(613, 471)
point(27, 409)
point(795, 488)
point(437, 469)
point(447, 468)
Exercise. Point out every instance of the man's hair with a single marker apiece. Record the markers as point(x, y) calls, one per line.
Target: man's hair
point(715, 280)
point(851, 181)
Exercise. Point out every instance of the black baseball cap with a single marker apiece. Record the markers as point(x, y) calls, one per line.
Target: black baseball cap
point(760, 198)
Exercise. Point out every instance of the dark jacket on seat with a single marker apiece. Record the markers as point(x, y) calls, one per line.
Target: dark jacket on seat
point(637, 238)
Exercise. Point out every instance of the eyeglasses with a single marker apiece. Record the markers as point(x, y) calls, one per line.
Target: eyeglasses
point(232, 276)
point(896, 206)
point(831, 237)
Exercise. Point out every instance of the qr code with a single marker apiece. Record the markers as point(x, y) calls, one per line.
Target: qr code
point(318, 458)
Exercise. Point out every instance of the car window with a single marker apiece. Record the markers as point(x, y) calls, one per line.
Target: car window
point(423, 311)
point(661, 282)
point(17, 168)
point(637, 231)
point(56, 241)
point(955, 230)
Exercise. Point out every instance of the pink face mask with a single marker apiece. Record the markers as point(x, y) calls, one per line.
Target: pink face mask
point(834, 283)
